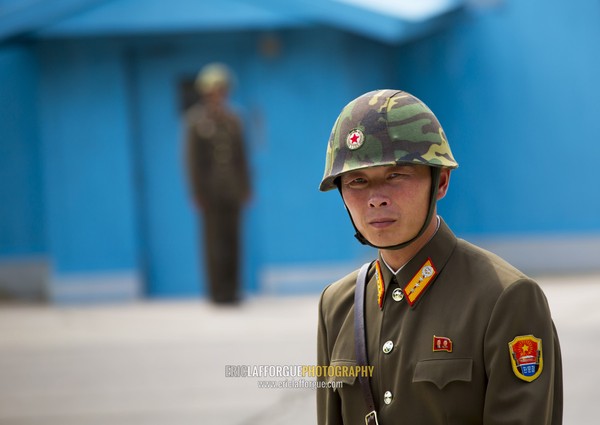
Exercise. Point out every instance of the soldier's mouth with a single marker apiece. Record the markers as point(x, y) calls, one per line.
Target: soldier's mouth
point(382, 223)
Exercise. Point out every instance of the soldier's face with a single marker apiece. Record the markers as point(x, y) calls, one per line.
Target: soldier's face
point(388, 204)
point(216, 96)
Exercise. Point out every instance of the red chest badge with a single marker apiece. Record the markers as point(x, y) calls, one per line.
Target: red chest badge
point(442, 343)
point(526, 357)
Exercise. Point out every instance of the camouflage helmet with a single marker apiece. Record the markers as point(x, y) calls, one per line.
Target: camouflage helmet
point(212, 76)
point(385, 127)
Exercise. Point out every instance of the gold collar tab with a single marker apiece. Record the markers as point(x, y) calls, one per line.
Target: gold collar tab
point(420, 281)
point(380, 285)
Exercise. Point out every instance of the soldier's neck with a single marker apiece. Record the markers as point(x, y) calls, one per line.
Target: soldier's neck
point(397, 258)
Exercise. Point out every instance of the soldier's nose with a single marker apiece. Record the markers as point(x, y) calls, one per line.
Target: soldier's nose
point(376, 202)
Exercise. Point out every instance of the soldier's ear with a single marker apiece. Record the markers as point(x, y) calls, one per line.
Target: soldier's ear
point(444, 183)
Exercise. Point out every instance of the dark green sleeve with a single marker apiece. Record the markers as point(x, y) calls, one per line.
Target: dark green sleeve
point(522, 310)
point(193, 154)
point(328, 402)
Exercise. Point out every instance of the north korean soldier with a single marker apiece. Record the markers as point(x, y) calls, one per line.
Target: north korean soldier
point(455, 334)
point(219, 179)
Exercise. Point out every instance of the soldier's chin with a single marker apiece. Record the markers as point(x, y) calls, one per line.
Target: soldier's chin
point(382, 241)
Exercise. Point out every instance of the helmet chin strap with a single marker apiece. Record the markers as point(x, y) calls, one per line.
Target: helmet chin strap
point(435, 181)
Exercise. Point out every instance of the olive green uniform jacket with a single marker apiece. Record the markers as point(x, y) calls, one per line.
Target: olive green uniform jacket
point(476, 302)
point(216, 159)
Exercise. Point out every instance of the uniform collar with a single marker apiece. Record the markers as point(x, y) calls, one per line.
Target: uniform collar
point(422, 270)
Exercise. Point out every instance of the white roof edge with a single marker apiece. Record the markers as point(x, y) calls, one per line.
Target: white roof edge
point(408, 10)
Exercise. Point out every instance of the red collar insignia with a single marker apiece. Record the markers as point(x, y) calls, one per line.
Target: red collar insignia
point(380, 285)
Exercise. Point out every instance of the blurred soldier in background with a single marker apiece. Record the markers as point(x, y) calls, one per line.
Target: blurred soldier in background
point(454, 333)
point(219, 178)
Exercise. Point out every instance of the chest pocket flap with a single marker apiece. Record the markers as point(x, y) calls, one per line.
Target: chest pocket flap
point(442, 372)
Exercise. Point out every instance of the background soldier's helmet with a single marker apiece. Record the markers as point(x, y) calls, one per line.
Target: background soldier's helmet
point(214, 76)
point(385, 127)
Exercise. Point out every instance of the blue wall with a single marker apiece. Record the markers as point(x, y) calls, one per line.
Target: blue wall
point(22, 230)
point(96, 163)
point(517, 92)
point(111, 132)
point(84, 128)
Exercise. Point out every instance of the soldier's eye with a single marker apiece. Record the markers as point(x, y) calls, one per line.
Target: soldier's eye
point(356, 182)
point(400, 174)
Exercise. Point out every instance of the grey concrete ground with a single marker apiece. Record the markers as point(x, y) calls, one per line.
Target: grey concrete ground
point(164, 363)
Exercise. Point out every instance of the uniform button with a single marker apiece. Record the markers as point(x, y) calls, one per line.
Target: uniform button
point(397, 294)
point(387, 397)
point(388, 347)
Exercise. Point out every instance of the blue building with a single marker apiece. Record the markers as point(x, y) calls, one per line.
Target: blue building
point(94, 203)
